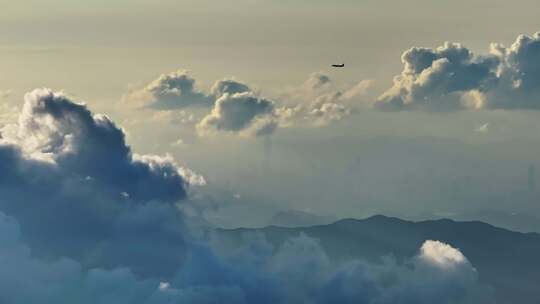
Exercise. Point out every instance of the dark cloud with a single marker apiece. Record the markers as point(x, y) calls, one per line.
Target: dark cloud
point(298, 271)
point(451, 77)
point(69, 178)
point(26, 279)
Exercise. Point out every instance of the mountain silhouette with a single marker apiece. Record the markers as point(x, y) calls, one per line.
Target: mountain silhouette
point(296, 218)
point(508, 261)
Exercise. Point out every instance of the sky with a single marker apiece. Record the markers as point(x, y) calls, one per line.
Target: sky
point(131, 130)
point(361, 163)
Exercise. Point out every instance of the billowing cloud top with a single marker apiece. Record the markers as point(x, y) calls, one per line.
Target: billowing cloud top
point(317, 81)
point(53, 128)
point(240, 112)
point(236, 108)
point(451, 77)
point(228, 86)
point(170, 91)
point(75, 187)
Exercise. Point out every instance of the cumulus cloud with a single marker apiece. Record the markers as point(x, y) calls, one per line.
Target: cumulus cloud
point(321, 86)
point(170, 91)
point(317, 81)
point(519, 74)
point(228, 86)
point(317, 102)
point(433, 78)
point(240, 112)
point(300, 271)
point(85, 220)
point(178, 90)
point(68, 172)
point(26, 279)
point(451, 77)
point(236, 108)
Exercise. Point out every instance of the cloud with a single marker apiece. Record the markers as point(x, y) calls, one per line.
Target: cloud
point(441, 255)
point(519, 73)
point(358, 90)
point(176, 90)
point(439, 273)
point(26, 279)
point(317, 81)
point(298, 271)
point(451, 78)
point(317, 102)
point(83, 219)
point(240, 112)
point(432, 79)
point(228, 86)
point(320, 84)
point(73, 184)
point(314, 103)
point(236, 108)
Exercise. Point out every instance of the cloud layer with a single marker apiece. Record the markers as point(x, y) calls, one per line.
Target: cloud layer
point(234, 107)
point(451, 77)
point(299, 271)
point(84, 220)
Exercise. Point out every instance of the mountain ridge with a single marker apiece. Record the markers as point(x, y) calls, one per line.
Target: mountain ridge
point(505, 259)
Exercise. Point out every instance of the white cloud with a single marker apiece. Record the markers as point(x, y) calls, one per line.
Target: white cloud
point(441, 254)
point(451, 77)
point(170, 91)
point(314, 103)
point(240, 112)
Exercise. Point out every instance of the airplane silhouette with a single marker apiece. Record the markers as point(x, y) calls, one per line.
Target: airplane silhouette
point(338, 65)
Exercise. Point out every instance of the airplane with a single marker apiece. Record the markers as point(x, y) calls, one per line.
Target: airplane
point(338, 65)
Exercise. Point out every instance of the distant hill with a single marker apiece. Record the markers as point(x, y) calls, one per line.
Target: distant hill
point(508, 261)
point(522, 222)
point(295, 218)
